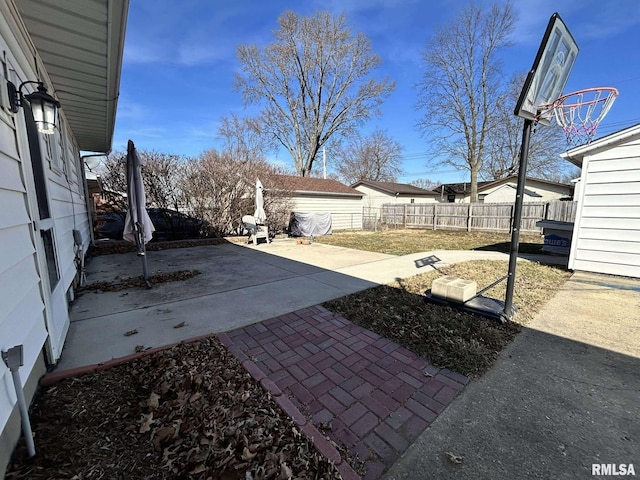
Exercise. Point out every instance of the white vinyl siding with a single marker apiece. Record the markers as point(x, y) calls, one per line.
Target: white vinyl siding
point(346, 211)
point(376, 199)
point(29, 316)
point(22, 313)
point(606, 237)
point(506, 192)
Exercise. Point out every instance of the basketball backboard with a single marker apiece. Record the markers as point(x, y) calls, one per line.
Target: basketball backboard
point(549, 73)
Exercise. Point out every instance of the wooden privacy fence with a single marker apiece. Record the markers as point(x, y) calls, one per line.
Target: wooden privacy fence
point(493, 217)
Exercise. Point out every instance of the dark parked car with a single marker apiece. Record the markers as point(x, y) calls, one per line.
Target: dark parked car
point(169, 225)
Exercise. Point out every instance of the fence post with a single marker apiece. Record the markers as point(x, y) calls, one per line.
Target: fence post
point(469, 217)
point(511, 219)
point(404, 216)
point(435, 215)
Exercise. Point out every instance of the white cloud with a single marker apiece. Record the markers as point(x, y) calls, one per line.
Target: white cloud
point(131, 110)
point(150, 132)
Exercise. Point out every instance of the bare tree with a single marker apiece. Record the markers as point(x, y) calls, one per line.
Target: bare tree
point(461, 86)
point(424, 183)
point(242, 138)
point(375, 157)
point(220, 189)
point(112, 174)
point(160, 175)
point(315, 82)
point(503, 144)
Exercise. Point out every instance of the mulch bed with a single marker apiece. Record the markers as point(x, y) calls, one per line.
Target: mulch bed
point(139, 282)
point(108, 247)
point(190, 411)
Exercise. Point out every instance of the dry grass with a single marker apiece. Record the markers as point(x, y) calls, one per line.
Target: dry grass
point(403, 242)
point(448, 337)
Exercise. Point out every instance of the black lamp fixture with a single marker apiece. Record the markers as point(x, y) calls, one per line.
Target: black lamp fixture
point(43, 105)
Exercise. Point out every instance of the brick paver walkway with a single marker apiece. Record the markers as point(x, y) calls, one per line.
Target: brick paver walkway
point(366, 393)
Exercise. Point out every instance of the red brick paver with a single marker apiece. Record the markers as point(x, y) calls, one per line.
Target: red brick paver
point(375, 396)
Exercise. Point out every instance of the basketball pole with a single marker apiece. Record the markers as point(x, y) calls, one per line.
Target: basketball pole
point(509, 310)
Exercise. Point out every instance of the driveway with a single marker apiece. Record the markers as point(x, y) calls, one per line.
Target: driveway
point(562, 397)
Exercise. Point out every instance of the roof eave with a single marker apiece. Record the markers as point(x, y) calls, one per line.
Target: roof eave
point(576, 155)
point(55, 27)
point(340, 194)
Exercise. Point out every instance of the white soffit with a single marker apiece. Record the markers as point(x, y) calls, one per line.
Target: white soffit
point(81, 44)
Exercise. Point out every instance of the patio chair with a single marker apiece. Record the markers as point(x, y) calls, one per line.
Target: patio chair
point(255, 231)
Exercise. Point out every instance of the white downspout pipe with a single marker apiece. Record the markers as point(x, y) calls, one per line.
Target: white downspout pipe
point(14, 360)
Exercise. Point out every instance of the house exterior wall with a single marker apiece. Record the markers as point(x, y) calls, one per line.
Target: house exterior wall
point(374, 199)
point(346, 211)
point(507, 194)
point(30, 313)
point(606, 236)
point(547, 192)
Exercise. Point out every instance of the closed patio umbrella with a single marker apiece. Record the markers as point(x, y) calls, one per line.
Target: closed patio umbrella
point(138, 227)
point(259, 214)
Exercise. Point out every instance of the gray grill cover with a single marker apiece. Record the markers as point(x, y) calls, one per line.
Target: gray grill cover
point(308, 224)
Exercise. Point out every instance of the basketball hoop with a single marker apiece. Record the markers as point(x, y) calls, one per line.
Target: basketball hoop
point(580, 112)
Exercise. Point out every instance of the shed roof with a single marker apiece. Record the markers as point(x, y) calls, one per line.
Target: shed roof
point(395, 188)
point(310, 184)
point(81, 44)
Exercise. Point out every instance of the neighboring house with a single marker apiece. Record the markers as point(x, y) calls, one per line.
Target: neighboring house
point(75, 49)
point(377, 194)
point(504, 191)
point(319, 195)
point(606, 233)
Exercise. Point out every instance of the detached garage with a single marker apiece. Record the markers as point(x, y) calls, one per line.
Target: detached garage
point(323, 195)
point(606, 235)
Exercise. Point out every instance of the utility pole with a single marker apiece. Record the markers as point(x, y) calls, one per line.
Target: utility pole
point(324, 163)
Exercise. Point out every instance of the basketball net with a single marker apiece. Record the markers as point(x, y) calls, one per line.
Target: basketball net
point(579, 113)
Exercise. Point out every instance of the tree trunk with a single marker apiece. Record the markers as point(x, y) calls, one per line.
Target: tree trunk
point(474, 184)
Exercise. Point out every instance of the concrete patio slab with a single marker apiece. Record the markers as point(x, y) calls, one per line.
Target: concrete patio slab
point(239, 285)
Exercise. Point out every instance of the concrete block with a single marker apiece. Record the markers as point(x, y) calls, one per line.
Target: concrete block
point(461, 290)
point(453, 288)
point(439, 286)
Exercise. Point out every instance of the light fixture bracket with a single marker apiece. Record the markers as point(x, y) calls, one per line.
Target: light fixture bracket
point(44, 106)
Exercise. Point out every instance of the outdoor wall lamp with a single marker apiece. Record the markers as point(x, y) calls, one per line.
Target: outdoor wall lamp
point(43, 105)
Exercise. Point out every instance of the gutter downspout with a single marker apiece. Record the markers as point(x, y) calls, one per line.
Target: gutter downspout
point(14, 360)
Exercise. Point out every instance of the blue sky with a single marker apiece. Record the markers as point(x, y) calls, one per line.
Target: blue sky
point(179, 60)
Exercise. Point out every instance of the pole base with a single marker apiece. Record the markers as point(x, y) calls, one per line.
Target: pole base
point(480, 305)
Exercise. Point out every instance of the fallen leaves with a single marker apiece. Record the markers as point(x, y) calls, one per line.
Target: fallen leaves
point(153, 401)
point(454, 457)
point(139, 282)
point(146, 422)
point(191, 412)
